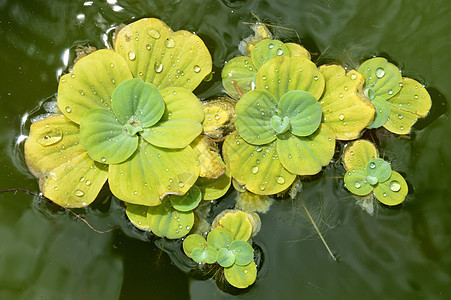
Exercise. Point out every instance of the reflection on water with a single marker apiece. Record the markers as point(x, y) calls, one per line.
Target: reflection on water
point(399, 253)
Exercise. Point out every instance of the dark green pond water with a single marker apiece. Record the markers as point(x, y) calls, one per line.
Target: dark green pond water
point(398, 253)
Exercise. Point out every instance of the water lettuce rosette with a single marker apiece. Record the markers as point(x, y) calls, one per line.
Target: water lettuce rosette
point(289, 114)
point(129, 116)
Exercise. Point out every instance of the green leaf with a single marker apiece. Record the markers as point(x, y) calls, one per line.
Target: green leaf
point(345, 111)
point(207, 255)
point(219, 238)
point(166, 221)
point(152, 173)
point(284, 74)
point(357, 183)
point(411, 103)
point(381, 78)
point(241, 276)
point(187, 202)
point(382, 112)
point(213, 189)
point(193, 241)
point(135, 101)
point(160, 56)
point(303, 111)
point(358, 154)
point(378, 170)
point(225, 257)
point(91, 83)
point(237, 223)
point(266, 50)
point(181, 122)
point(306, 155)
point(243, 252)
point(138, 215)
point(258, 167)
point(253, 117)
point(67, 175)
point(241, 72)
point(106, 140)
point(297, 50)
point(280, 125)
point(393, 191)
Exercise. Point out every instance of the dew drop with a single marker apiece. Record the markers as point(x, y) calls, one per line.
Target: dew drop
point(196, 68)
point(315, 78)
point(262, 187)
point(103, 159)
point(353, 76)
point(416, 96)
point(181, 184)
point(357, 185)
point(400, 116)
point(341, 117)
point(280, 180)
point(82, 179)
point(50, 137)
point(158, 67)
point(279, 52)
point(148, 47)
point(79, 193)
point(170, 43)
point(372, 165)
point(390, 92)
point(271, 46)
point(154, 33)
point(88, 182)
point(82, 92)
point(68, 109)
point(254, 170)
point(380, 72)
point(131, 55)
point(395, 186)
point(258, 148)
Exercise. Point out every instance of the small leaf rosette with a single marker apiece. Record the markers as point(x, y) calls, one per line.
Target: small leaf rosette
point(278, 127)
point(129, 116)
point(368, 174)
point(228, 246)
point(399, 101)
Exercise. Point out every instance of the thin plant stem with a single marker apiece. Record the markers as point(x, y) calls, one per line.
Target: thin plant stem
point(317, 230)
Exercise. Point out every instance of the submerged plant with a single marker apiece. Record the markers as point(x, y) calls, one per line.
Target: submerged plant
point(399, 101)
point(135, 132)
point(368, 174)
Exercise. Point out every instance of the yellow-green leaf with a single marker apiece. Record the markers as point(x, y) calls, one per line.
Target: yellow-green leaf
point(238, 74)
point(297, 50)
point(306, 155)
point(258, 167)
point(358, 154)
point(192, 242)
point(236, 222)
point(393, 191)
point(91, 83)
point(213, 189)
point(241, 276)
point(67, 175)
point(165, 221)
point(284, 74)
point(411, 103)
point(160, 56)
point(137, 214)
point(152, 173)
point(267, 49)
point(345, 110)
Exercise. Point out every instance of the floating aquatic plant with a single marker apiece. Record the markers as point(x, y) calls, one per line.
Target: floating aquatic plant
point(227, 244)
point(399, 101)
point(129, 115)
point(366, 173)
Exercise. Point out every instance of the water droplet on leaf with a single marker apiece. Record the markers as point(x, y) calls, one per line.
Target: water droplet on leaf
point(395, 186)
point(380, 72)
